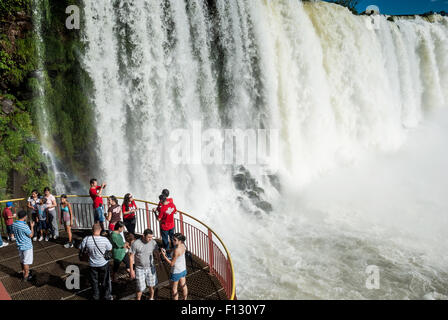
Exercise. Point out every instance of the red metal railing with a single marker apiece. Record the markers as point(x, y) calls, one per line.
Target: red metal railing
point(201, 240)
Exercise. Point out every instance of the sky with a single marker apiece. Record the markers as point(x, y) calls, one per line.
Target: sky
point(396, 7)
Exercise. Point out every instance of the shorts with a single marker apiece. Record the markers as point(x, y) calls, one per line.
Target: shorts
point(99, 214)
point(145, 277)
point(177, 276)
point(42, 225)
point(26, 256)
point(67, 223)
point(9, 229)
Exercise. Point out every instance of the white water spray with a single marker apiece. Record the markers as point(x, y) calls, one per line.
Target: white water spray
point(339, 93)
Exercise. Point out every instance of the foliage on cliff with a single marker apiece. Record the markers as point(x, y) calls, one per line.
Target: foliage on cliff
point(29, 66)
point(20, 157)
point(67, 86)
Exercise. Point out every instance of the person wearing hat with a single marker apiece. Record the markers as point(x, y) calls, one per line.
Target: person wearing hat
point(9, 216)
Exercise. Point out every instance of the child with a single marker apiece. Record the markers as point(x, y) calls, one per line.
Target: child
point(9, 216)
point(42, 220)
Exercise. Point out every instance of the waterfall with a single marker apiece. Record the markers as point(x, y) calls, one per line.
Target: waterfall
point(335, 89)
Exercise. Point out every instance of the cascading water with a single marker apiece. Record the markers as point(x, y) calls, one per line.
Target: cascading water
point(42, 115)
point(339, 93)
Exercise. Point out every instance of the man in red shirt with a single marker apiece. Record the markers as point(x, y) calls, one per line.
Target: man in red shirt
point(96, 195)
point(166, 219)
point(9, 220)
point(165, 193)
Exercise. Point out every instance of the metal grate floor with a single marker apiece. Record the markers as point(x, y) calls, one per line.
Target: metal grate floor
point(51, 260)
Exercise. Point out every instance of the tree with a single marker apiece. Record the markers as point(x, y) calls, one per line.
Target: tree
point(350, 4)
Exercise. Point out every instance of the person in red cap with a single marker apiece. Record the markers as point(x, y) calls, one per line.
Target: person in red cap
point(9, 216)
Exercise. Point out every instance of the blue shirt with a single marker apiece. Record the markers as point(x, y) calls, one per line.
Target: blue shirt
point(22, 233)
point(41, 210)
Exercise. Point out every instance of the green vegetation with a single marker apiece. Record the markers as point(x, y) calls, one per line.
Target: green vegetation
point(65, 85)
point(9, 8)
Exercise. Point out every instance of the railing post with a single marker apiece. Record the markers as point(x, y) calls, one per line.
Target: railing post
point(210, 250)
point(148, 218)
point(181, 218)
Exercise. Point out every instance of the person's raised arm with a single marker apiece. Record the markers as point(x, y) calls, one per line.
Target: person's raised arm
point(171, 262)
point(101, 189)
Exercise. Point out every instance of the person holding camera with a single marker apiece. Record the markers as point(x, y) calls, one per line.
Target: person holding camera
point(178, 266)
point(95, 193)
point(98, 248)
point(23, 234)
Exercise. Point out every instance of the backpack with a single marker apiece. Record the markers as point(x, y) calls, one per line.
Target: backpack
point(83, 254)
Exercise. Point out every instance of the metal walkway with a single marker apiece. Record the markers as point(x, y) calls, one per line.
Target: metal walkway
point(49, 270)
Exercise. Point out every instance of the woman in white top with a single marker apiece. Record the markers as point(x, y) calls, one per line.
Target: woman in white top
point(178, 266)
point(52, 215)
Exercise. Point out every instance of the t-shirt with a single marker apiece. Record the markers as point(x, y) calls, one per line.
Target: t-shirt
point(116, 214)
point(97, 200)
point(161, 204)
point(96, 257)
point(118, 245)
point(22, 234)
point(132, 205)
point(143, 253)
point(7, 215)
point(41, 211)
point(33, 202)
point(49, 201)
point(166, 216)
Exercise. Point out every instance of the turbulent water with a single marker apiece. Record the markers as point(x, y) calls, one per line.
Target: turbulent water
point(359, 111)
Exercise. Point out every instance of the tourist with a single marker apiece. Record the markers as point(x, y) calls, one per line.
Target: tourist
point(96, 193)
point(142, 254)
point(165, 194)
point(166, 219)
point(23, 235)
point(178, 266)
point(113, 213)
point(42, 220)
point(119, 249)
point(52, 215)
point(96, 247)
point(9, 216)
point(129, 209)
point(67, 219)
point(32, 202)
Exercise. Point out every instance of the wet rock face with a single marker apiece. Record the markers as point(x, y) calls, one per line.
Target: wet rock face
point(251, 192)
point(264, 205)
point(7, 106)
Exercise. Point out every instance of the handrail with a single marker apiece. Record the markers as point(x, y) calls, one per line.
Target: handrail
point(232, 296)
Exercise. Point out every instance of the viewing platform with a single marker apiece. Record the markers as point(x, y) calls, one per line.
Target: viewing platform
point(210, 274)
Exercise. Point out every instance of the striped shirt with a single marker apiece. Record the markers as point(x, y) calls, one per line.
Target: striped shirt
point(22, 233)
point(96, 258)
